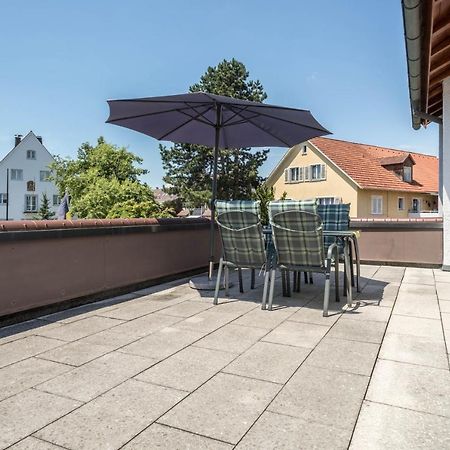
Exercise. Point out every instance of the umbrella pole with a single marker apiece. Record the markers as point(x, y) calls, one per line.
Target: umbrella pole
point(212, 240)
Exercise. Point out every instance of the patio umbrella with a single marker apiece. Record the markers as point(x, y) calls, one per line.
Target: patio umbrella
point(215, 121)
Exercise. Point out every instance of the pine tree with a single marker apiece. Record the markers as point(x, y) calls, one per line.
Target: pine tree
point(45, 213)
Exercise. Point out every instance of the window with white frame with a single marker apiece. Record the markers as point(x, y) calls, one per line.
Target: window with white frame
point(304, 150)
point(31, 203)
point(318, 172)
point(329, 200)
point(16, 174)
point(31, 154)
point(44, 175)
point(377, 204)
point(56, 200)
point(407, 174)
point(3, 199)
point(294, 174)
point(401, 203)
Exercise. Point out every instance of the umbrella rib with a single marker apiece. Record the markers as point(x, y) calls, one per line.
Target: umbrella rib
point(206, 119)
point(233, 116)
point(183, 124)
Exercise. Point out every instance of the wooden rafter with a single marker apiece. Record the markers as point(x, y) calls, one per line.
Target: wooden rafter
point(426, 58)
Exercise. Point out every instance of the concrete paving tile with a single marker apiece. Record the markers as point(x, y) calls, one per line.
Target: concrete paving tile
point(207, 321)
point(88, 381)
point(441, 277)
point(446, 321)
point(236, 306)
point(74, 314)
point(112, 419)
point(162, 343)
point(27, 373)
point(224, 408)
point(420, 388)
point(232, 338)
point(32, 443)
point(297, 333)
point(29, 411)
point(144, 325)
point(417, 307)
point(23, 329)
point(369, 311)
point(368, 271)
point(414, 350)
point(417, 290)
point(322, 395)
point(313, 313)
point(389, 273)
point(276, 431)
point(264, 319)
point(258, 362)
point(444, 306)
point(133, 311)
point(348, 356)
point(387, 427)
point(79, 329)
point(187, 369)
point(160, 436)
point(416, 326)
point(358, 330)
point(109, 338)
point(24, 348)
point(186, 309)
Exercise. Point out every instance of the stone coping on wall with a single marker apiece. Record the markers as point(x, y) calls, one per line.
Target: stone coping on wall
point(422, 222)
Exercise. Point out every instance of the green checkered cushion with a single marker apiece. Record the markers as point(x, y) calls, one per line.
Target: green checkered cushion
point(298, 239)
point(238, 205)
point(278, 206)
point(242, 239)
point(334, 218)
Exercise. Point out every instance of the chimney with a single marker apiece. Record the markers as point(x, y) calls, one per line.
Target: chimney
point(39, 138)
point(17, 139)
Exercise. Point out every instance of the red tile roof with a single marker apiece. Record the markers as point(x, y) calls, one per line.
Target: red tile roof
point(363, 163)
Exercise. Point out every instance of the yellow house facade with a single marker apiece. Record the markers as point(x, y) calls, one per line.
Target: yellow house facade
point(377, 182)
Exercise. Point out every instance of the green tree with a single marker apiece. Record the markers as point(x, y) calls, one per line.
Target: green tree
point(189, 167)
point(45, 213)
point(103, 182)
point(264, 194)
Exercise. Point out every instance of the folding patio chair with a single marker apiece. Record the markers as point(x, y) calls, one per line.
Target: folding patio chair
point(240, 205)
point(337, 218)
point(242, 246)
point(299, 245)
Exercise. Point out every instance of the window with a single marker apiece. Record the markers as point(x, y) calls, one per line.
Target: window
point(17, 174)
point(31, 203)
point(304, 150)
point(44, 175)
point(294, 174)
point(31, 154)
point(377, 204)
point(407, 174)
point(56, 200)
point(329, 200)
point(318, 172)
point(415, 205)
point(401, 203)
point(3, 199)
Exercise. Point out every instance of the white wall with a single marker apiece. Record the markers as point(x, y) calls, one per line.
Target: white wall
point(17, 159)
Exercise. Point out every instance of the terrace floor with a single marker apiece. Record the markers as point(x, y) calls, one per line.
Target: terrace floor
point(164, 368)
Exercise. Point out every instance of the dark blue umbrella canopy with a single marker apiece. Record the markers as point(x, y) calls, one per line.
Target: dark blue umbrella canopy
point(192, 118)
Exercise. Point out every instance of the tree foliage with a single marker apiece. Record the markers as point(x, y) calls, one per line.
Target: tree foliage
point(264, 194)
point(44, 212)
point(103, 182)
point(189, 167)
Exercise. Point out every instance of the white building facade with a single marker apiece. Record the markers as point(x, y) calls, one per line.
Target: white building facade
point(24, 174)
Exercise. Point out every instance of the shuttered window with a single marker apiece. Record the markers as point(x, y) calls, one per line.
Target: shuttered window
point(377, 204)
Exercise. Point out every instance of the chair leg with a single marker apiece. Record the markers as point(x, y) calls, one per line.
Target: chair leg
point(272, 287)
point(326, 294)
point(283, 282)
point(266, 285)
point(358, 263)
point(299, 278)
point(219, 276)
point(241, 284)
point(227, 281)
point(294, 281)
point(288, 283)
point(311, 281)
point(306, 277)
point(252, 285)
point(345, 280)
point(352, 275)
point(336, 273)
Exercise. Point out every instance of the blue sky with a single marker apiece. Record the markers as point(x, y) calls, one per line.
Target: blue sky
point(61, 60)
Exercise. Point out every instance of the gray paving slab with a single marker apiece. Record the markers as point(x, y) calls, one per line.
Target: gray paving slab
point(325, 396)
point(313, 313)
point(414, 350)
point(263, 318)
point(92, 379)
point(224, 408)
point(186, 309)
point(187, 369)
point(29, 411)
point(423, 389)
point(444, 306)
point(276, 431)
point(299, 334)
point(232, 338)
point(348, 356)
point(137, 309)
point(207, 321)
point(161, 436)
point(416, 326)
point(32, 443)
point(24, 348)
point(113, 419)
point(368, 311)
point(385, 427)
point(357, 330)
point(416, 307)
point(27, 373)
point(269, 362)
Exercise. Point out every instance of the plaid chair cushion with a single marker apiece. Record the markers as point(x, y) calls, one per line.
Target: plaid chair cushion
point(298, 239)
point(242, 239)
point(238, 205)
point(334, 218)
point(278, 206)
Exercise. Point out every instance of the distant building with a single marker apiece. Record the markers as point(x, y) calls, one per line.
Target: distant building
point(28, 163)
point(163, 197)
point(377, 181)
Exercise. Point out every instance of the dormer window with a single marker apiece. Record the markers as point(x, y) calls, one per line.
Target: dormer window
point(407, 174)
point(401, 165)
